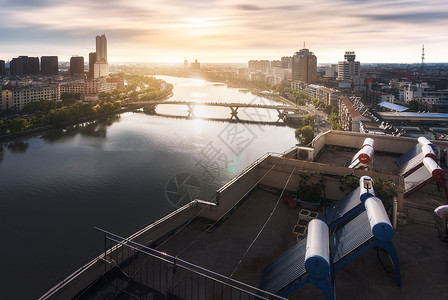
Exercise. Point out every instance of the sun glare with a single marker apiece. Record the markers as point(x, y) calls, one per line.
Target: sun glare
point(199, 23)
point(198, 125)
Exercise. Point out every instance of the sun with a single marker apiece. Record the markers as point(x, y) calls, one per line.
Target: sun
point(199, 23)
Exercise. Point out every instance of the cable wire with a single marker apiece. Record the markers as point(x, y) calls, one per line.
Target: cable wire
point(230, 209)
point(263, 227)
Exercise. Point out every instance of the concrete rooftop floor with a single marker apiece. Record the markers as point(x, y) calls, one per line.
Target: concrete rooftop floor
point(423, 258)
point(221, 249)
point(342, 156)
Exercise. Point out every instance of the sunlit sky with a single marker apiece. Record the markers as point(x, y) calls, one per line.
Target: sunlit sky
point(226, 30)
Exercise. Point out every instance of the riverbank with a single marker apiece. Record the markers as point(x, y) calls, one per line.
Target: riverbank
point(127, 108)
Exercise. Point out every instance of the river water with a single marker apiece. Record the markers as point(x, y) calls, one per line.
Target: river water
point(119, 174)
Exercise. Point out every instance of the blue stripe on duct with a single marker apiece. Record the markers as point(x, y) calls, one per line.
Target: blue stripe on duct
point(378, 219)
point(317, 257)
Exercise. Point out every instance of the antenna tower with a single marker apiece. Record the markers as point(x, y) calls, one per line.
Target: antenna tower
point(423, 59)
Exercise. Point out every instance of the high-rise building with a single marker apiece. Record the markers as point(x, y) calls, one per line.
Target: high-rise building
point(24, 65)
point(32, 66)
point(92, 60)
point(2, 68)
point(185, 63)
point(331, 71)
point(101, 67)
point(49, 65)
point(101, 48)
point(76, 66)
point(195, 65)
point(16, 66)
point(286, 62)
point(348, 68)
point(304, 66)
point(276, 64)
point(259, 65)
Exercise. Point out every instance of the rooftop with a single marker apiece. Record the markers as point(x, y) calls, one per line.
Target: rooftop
point(423, 259)
point(414, 116)
point(392, 106)
point(250, 226)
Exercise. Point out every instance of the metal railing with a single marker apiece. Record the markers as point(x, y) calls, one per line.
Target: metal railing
point(250, 167)
point(136, 271)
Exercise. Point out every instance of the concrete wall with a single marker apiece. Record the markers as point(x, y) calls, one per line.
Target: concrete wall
point(233, 191)
point(355, 140)
point(284, 166)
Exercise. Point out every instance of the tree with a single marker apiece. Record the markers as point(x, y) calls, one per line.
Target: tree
point(40, 106)
point(334, 121)
point(334, 118)
point(413, 105)
point(17, 125)
point(336, 126)
point(334, 110)
point(105, 96)
point(308, 120)
point(304, 135)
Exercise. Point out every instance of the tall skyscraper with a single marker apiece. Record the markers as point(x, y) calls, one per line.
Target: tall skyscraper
point(195, 65)
point(101, 67)
point(101, 48)
point(348, 68)
point(76, 66)
point(49, 65)
point(2, 68)
point(304, 66)
point(92, 60)
point(24, 65)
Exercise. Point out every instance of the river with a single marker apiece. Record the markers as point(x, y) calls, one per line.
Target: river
point(118, 174)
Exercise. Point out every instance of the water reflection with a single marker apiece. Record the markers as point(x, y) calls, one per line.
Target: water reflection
point(97, 129)
point(17, 146)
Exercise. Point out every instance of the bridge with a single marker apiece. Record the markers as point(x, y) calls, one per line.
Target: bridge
point(278, 122)
point(281, 109)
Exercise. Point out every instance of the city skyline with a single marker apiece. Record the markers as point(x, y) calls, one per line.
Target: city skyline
point(227, 31)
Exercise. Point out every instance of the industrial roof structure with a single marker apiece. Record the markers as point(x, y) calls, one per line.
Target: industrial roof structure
point(394, 107)
point(413, 116)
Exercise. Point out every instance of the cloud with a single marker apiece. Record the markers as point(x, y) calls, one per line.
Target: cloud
point(27, 3)
point(413, 17)
point(286, 7)
point(248, 7)
point(218, 27)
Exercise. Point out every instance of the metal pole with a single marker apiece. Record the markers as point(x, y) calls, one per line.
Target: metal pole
point(105, 252)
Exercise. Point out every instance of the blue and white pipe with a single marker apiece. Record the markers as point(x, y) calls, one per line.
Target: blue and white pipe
point(379, 220)
point(317, 256)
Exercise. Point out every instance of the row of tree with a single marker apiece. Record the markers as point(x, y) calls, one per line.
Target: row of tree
point(57, 116)
point(70, 109)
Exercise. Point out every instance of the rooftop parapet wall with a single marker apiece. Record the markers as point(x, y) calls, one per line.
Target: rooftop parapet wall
point(355, 140)
point(332, 174)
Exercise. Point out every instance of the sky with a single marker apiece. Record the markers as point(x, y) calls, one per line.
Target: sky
point(391, 31)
